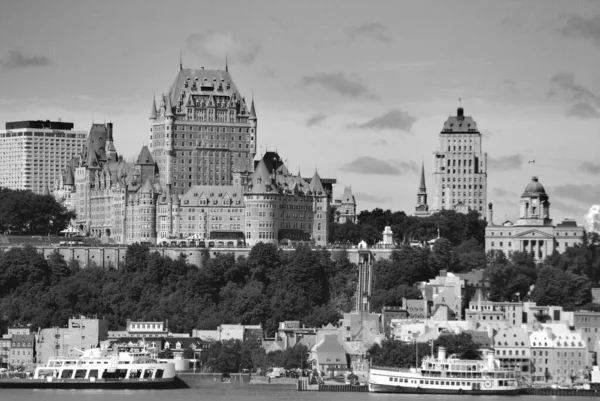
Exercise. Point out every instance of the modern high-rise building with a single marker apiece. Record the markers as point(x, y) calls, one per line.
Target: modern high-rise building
point(203, 133)
point(460, 166)
point(34, 153)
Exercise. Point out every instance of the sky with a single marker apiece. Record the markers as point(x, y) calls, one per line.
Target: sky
point(356, 89)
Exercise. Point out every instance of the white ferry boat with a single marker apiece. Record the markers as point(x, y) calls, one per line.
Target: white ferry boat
point(443, 375)
point(130, 368)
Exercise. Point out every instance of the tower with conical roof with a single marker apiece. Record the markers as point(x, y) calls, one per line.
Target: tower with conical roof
point(321, 209)
point(460, 166)
point(422, 208)
point(262, 198)
point(346, 207)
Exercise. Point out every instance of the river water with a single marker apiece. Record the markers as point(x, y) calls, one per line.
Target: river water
point(250, 393)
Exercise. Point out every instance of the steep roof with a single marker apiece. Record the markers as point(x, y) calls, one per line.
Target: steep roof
point(223, 195)
point(169, 108)
point(460, 124)
point(347, 196)
point(261, 180)
point(315, 184)
point(330, 351)
point(207, 83)
point(145, 157)
point(148, 187)
point(153, 111)
point(252, 112)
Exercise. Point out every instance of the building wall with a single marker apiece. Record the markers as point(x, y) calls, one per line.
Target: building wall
point(31, 158)
point(22, 350)
point(460, 166)
point(81, 334)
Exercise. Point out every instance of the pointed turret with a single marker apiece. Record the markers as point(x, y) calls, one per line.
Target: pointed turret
point(261, 179)
point(169, 107)
point(147, 188)
point(145, 157)
point(316, 185)
point(153, 112)
point(252, 111)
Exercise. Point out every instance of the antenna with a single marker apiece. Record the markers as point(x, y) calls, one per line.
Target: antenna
point(180, 60)
point(226, 66)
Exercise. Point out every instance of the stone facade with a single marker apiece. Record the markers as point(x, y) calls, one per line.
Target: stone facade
point(460, 166)
point(346, 207)
point(533, 231)
point(197, 181)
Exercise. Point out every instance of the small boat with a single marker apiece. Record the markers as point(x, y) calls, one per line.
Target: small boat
point(129, 368)
point(443, 375)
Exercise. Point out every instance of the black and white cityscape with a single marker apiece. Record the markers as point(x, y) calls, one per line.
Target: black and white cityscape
point(391, 197)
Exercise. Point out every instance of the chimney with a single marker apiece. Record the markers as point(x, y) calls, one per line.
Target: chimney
point(109, 128)
point(490, 214)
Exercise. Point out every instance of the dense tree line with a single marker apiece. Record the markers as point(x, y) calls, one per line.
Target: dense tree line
point(564, 279)
point(402, 354)
point(25, 212)
point(455, 227)
point(267, 287)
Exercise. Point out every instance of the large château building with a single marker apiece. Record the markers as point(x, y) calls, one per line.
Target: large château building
point(533, 232)
point(33, 154)
point(460, 166)
point(198, 180)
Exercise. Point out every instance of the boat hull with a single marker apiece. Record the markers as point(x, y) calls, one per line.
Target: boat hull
point(125, 384)
point(383, 388)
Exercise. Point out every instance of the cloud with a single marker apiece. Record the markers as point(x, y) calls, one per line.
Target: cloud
point(392, 120)
point(590, 168)
point(17, 60)
point(372, 30)
point(580, 27)
point(582, 101)
point(339, 83)
point(316, 119)
point(507, 87)
point(585, 193)
point(361, 196)
point(373, 166)
point(570, 209)
point(486, 133)
point(214, 46)
point(512, 162)
point(503, 193)
point(381, 142)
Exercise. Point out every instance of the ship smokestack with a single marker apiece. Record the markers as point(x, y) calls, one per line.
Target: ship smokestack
point(491, 359)
point(442, 353)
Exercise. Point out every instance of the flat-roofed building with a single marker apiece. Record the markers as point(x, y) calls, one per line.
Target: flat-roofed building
point(34, 153)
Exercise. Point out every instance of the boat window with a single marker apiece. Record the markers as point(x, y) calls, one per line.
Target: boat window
point(437, 382)
point(66, 374)
point(80, 373)
point(148, 373)
point(420, 381)
point(159, 373)
point(135, 373)
point(93, 373)
point(391, 379)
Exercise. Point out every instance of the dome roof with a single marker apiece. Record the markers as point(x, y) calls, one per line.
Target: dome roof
point(534, 188)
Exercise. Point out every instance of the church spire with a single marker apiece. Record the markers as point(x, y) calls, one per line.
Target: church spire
point(180, 60)
point(422, 188)
point(226, 66)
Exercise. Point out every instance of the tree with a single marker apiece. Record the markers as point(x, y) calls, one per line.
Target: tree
point(398, 354)
point(461, 345)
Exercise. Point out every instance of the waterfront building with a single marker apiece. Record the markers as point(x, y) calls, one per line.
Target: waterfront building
point(329, 356)
point(346, 207)
point(513, 349)
point(558, 356)
point(533, 231)
point(4, 351)
point(460, 166)
point(22, 350)
point(81, 333)
point(34, 153)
